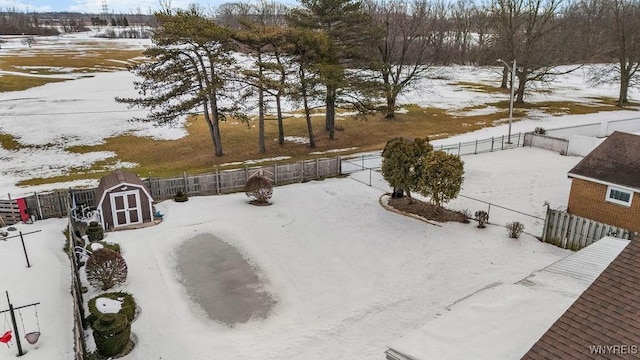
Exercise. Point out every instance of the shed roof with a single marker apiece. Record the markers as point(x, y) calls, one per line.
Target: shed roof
point(616, 160)
point(606, 314)
point(117, 178)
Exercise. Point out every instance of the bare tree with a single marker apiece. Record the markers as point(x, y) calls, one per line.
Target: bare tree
point(406, 50)
point(531, 32)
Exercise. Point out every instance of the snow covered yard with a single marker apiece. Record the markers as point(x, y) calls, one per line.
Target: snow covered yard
point(348, 276)
point(47, 281)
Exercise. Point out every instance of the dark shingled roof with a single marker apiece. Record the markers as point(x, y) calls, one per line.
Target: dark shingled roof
point(606, 314)
point(115, 178)
point(616, 161)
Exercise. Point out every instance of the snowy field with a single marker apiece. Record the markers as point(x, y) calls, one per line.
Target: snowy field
point(50, 118)
point(349, 277)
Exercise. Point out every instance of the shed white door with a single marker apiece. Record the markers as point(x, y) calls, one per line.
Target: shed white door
point(125, 207)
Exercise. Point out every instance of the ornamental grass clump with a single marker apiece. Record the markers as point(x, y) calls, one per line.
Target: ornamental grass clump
point(515, 229)
point(259, 190)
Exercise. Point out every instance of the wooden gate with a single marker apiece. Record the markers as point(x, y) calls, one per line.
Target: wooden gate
point(574, 232)
point(9, 212)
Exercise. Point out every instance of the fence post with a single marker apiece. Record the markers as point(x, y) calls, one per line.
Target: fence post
point(185, 184)
point(339, 159)
point(302, 170)
point(459, 147)
point(39, 205)
point(492, 143)
point(275, 174)
point(317, 170)
point(502, 146)
point(217, 181)
point(475, 151)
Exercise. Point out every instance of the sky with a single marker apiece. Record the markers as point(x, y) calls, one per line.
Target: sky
point(95, 6)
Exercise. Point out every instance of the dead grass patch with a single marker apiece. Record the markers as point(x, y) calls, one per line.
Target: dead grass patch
point(20, 82)
point(194, 153)
point(9, 142)
point(484, 88)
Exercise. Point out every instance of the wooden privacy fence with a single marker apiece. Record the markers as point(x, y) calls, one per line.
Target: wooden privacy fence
point(56, 203)
point(229, 181)
point(574, 232)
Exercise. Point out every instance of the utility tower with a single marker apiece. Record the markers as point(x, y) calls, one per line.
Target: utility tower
point(105, 11)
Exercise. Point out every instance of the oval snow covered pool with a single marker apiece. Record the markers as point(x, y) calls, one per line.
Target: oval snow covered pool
point(221, 281)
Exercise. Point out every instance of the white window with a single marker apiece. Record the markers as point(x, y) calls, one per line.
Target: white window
point(619, 196)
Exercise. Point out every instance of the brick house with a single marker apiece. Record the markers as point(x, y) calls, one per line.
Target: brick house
point(604, 322)
point(605, 185)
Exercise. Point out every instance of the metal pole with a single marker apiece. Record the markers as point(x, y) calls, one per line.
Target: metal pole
point(25, 250)
point(513, 74)
point(15, 325)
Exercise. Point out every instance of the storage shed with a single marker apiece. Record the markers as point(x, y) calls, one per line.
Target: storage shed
point(123, 200)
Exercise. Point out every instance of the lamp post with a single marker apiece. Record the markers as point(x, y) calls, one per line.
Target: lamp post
point(513, 74)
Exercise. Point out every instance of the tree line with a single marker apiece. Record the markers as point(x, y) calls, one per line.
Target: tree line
point(350, 53)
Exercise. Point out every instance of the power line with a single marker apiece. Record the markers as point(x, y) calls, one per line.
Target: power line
point(74, 113)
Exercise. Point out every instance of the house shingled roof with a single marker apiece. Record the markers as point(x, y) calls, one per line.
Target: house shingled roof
point(616, 160)
point(606, 314)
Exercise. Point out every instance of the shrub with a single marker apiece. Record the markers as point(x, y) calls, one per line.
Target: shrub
point(441, 177)
point(94, 231)
point(106, 269)
point(111, 333)
point(514, 229)
point(540, 131)
point(105, 245)
point(482, 217)
point(128, 307)
point(401, 162)
point(181, 196)
point(259, 189)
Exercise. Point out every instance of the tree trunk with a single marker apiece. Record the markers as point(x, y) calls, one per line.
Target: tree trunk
point(505, 78)
point(261, 145)
point(280, 124)
point(331, 112)
point(391, 107)
point(215, 126)
point(307, 113)
point(519, 91)
point(624, 85)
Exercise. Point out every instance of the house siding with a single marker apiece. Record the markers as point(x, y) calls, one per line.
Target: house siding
point(587, 199)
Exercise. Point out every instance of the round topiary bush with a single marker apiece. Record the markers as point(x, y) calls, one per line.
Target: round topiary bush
point(127, 306)
point(259, 190)
point(180, 196)
point(111, 333)
point(106, 269)
point(95, 231)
